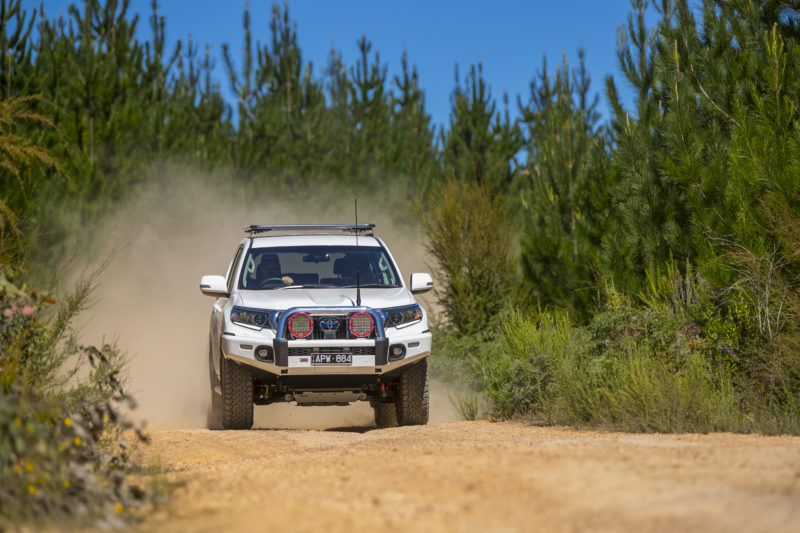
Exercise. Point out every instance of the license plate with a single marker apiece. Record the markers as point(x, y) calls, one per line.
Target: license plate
point(332, 359)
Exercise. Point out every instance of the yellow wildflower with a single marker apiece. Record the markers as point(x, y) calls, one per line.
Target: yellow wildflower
point(66, 484)
point(111, 463)
point(17, 421)
point(18, 469)
point(31, 489)
point(68, 421)
point(77, 440)
point(28, 466)
point(119, 508)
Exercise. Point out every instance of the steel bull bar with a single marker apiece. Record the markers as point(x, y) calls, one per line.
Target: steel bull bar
point(280, 344)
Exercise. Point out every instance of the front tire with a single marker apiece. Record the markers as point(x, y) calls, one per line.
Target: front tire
point(237, 395)
point(412, 403)
point(385, 414)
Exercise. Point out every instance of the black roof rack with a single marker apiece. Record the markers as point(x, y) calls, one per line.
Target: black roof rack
point(351, 228)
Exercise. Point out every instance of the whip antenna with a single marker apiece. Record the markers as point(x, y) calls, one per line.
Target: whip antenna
point(358, 268)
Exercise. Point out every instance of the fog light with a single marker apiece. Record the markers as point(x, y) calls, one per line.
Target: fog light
point(264, 353)
point(397, 351)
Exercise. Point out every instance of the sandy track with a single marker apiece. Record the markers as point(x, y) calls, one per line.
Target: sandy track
point(477, 476)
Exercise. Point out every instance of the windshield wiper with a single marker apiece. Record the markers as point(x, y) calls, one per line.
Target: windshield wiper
point(373, 286)
point(305, 287)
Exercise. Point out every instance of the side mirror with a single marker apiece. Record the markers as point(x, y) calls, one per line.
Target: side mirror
point(213, 286)
point(421, 282)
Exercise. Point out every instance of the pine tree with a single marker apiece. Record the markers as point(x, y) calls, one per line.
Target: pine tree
point(565, 188)
point(246, 151)
point(292, 108)
point(682, 190)
point(652, 214)
point(338, 123)
point(15, 48)
point(370, 108)
point(481, 144)
point(157, 69)
point(198, 130)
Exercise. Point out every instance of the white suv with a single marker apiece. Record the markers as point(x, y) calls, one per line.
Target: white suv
point(317, 315)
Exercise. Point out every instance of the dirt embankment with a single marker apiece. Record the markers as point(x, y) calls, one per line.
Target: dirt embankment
point(477, 476)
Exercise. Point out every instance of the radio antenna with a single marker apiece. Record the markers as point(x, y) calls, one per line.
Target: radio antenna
point(358, 267)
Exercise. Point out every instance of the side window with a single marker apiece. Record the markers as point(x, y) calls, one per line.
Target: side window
point(232, 269)
point(248, 271)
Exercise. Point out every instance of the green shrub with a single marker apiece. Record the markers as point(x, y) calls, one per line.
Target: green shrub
point(647, 393)
point(467, 404)
point(678, 363)
point(767, 293)
point(470, 234)
point(517, 377)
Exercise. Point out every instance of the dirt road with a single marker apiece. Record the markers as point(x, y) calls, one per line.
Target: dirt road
point(476, 476)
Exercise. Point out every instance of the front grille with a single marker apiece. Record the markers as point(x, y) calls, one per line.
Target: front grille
point(320, 333)
point(323, 328)
point(355, 350)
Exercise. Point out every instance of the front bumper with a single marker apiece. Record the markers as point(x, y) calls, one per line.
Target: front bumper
point(370, 357)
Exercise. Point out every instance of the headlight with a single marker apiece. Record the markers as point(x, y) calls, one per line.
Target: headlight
point(253, 318)
point(402, 315)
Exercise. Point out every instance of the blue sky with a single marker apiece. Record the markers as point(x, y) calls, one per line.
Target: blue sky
point(508, 37)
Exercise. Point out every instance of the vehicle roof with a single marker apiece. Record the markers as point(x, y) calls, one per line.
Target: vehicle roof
point(305, 239)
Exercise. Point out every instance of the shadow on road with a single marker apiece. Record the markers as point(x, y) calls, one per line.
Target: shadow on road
point(344, 429)
point(352, 429)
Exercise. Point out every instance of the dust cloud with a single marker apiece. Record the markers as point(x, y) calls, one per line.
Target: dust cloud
point(148, 301)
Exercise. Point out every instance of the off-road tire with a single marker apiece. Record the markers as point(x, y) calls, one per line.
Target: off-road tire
point(385, 414)
point(215, 408)
point(237, 395)
point(412, 403)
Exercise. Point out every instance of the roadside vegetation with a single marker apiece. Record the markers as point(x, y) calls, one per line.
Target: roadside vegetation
point(637, 272)
point(657, 267)
point(62, 452)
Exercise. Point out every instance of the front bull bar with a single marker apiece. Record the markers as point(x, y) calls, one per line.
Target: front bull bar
point(281, 344)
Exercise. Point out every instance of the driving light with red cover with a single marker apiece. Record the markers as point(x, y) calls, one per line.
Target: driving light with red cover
point(361, 324)
point(301, 325)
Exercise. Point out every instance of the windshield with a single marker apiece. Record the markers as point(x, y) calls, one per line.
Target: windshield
point(316, 267)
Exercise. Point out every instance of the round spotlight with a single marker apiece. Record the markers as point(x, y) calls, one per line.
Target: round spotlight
point(361, 324)
point(301, 325)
